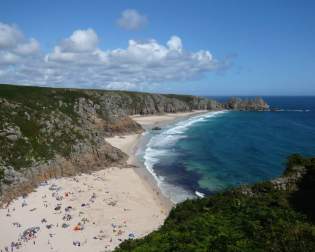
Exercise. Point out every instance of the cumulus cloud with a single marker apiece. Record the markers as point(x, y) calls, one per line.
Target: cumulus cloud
point(175, 43)
point(28, 48)
point(132, 20)
point(80, 41)
point(14, 47)
point(79, 61)
point(10, 36)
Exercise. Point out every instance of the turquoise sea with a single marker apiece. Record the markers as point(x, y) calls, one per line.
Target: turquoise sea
point(218, 150)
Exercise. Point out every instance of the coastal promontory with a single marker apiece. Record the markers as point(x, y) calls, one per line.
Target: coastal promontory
point(48, 132)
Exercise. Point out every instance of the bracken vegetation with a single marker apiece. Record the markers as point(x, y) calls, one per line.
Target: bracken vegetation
point(27, 112)
point(261, 217)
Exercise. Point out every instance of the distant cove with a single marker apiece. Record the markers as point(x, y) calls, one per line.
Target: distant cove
point(216, 151)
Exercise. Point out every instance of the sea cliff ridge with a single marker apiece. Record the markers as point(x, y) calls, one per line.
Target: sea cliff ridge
point(49, 132)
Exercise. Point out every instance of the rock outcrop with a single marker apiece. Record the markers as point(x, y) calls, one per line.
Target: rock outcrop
point(16, 183)
point(256, 104)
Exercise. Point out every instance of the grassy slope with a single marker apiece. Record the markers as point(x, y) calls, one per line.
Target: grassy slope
point(268, 220)
point(39, 104)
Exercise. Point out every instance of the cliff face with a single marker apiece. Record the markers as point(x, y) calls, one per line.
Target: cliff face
point(117, 104)
point(46, 132)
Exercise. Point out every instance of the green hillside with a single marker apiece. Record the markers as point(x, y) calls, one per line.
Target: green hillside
point(270, 216)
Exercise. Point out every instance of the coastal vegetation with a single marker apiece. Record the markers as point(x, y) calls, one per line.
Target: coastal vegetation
point(275, 215)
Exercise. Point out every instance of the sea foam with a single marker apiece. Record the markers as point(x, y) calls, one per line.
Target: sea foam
point(160, 145)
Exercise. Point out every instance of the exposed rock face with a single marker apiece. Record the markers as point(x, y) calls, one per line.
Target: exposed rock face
point(257, 104)
point(11, 132)
point(16, 183)
point(122, 104)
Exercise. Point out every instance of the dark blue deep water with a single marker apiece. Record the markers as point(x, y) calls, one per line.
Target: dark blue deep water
point(219, 150)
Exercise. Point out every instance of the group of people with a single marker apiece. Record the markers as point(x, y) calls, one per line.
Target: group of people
point(59, 202)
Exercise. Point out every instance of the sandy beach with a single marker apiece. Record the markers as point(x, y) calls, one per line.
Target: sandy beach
point(158, 120)
point(88, 212)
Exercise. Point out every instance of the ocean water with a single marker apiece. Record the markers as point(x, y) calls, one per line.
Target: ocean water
point(219, 150)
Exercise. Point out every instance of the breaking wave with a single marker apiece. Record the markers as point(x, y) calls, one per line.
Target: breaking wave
point(160, 145)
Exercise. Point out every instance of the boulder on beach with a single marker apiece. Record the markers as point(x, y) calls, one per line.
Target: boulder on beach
point(156, 128)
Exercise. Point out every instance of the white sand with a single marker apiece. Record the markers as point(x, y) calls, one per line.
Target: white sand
point(155, 120)
point(118, 204)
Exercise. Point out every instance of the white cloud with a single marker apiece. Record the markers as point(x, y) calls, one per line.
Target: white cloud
point(175, 43)
point(79, 61)
point(14, 47)
point(9, 36)
point(27, 48)
point(132, 20)
point(7, 58)
point(58, 55)
point(140, 52)
point(80, 41)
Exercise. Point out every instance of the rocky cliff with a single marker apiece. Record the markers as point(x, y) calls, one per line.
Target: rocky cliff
point(47, 132)
point(256, 104)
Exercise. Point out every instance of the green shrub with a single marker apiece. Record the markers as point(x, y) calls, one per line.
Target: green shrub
point(266, 220)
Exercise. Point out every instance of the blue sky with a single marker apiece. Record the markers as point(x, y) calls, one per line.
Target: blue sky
point(198, 47)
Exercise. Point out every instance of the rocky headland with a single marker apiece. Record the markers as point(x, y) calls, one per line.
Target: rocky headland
point(256, 104)
point(47, 132)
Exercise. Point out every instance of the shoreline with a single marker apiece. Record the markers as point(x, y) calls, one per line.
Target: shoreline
point(97, 210)
point(148, 122)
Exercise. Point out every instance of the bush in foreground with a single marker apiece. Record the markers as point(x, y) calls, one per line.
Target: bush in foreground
point(256, 218)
